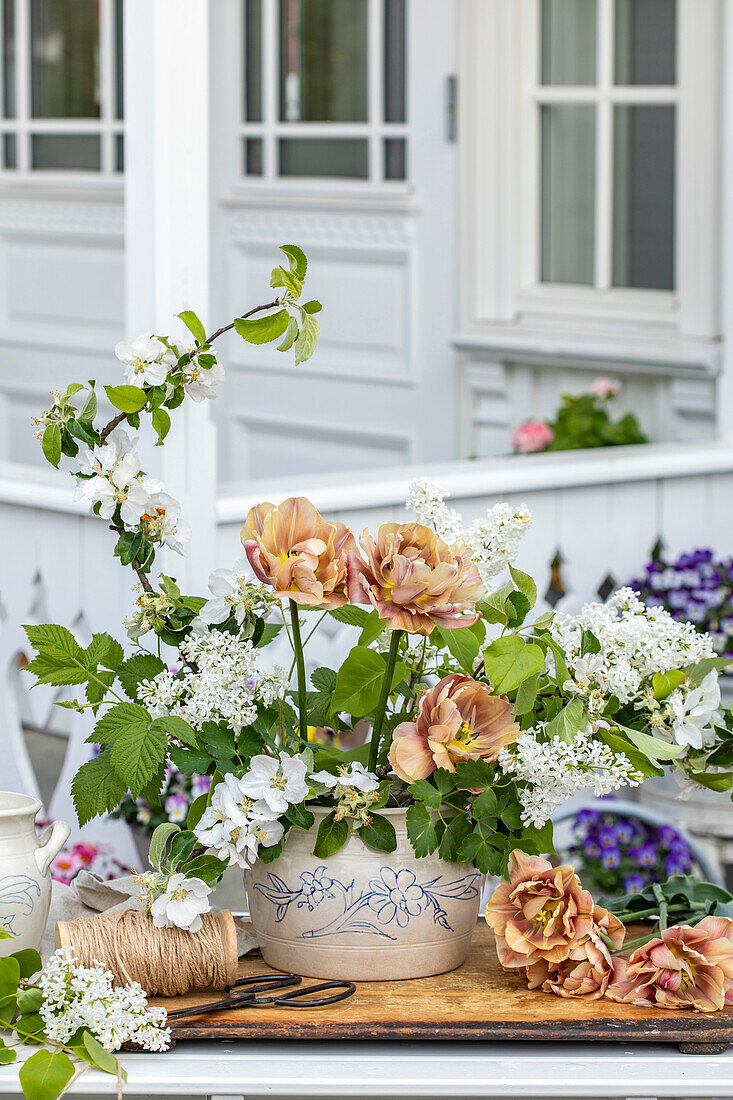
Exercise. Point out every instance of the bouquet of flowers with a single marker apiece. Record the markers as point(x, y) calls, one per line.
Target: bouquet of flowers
point(695, 587)
point(622, 855)
point(484, 715)
point(583, 420)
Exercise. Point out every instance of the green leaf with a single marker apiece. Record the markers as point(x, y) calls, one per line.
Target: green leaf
point(372, 628)
point(307, 340)
point(517, 608)
point(526, 696)
point(664, 683)
point(161, 424)
point(652, 747)
point(297, 258)
point(117, 720)
point(379, 833)
point(44, 1075)
point(421, 830)
point(291, 335)
point(182, 846)
point(29, 1000)
point(55, 642)
point(696, 673)
point(9, 978)
point(299, 816)
point(456, 830)
point(158, 843)
point(178, 728)
point(51, 444)
point(462, 644)
point(351, 614)
point(189, 761)
point(472, 774)
point(29, 962)
point(261, 330)
point(194, 326)
point(196, 811)
point(525, 584)
point(143, 666)
point(588, 643)
point(208, 868)
point(568, 722)
point(104, 650)
point(218, 742)
point(7, 1054)
point(287, 279)
point(100, 1057)
point(137, 751)
point(96, 788)
point(314, 306)
point(128, 399)
point(638, 760)
point(83, 431)
point(508, 661)
point(89, 408)
point(485, 804)
point(422, 791)
point(331, 836)
point(359, 682)
point(493, 607)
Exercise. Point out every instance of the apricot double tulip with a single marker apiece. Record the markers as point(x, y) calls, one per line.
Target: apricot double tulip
point(303, 556)
point(684, 968)
point(459, 719)
point(542, 914)
point(414, 579)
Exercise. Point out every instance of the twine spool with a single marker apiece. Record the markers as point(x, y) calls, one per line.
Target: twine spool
point(165, 961)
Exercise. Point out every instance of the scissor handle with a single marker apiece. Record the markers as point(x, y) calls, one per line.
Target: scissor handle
point(263, 982)
point(300, 998)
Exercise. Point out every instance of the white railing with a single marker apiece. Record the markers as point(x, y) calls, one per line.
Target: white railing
point(596, 514)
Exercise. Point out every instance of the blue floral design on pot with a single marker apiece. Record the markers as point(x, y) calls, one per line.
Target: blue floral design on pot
point(390, 903)
point(18, 895)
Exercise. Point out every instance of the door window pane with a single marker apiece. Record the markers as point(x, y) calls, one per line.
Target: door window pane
point(65, 58)
point(394, 60)
point(65, 152)
point(568, 189)
point(645, 37)
point(394, 159)
point(253, 156)
point(9, 151)
point(119, 62)
point(323, 157)
point(323, 61)
point(253, 60)
point(568, 41)
point(9, 58)
point(643, 207)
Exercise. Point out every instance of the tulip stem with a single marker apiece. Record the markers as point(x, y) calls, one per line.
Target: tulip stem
point(394, 645)
point(300, 665)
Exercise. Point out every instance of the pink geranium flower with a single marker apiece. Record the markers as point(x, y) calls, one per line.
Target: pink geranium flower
point(532, 436)
point(605, 388)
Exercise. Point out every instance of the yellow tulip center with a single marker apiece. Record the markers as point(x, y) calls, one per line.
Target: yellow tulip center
point(546, 913)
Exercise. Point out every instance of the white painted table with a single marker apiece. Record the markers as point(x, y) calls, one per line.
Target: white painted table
point(345, 1070)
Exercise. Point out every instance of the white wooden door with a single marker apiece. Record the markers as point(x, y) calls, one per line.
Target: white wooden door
point(338, 138)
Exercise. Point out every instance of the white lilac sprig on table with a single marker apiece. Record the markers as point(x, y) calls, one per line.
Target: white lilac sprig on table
point(484, 714)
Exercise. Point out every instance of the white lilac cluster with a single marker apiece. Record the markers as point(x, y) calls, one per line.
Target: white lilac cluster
point(244, 812)
point(227, 686)
point(233, 593)
point(355, 789)
point(555, 770)
point(112, 478)
point(173, 900)
point(493, 540)
point(76, 996)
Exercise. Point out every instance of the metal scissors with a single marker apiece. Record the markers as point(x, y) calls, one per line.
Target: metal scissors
point(246, 993)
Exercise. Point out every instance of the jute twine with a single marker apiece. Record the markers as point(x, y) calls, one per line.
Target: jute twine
point(165, 961)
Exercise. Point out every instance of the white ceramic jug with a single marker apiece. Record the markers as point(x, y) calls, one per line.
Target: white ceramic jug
point(25, 881)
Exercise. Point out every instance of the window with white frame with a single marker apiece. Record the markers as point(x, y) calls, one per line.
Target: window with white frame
point(604, 107)
point(324, 85)
point(62, 95)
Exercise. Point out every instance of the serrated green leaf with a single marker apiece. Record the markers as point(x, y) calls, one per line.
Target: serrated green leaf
point(457, 828)
point(137, 752)
point(351, 614)
point(297, 259)
point(178, 728)
point(331, 836)
point(119, 718)
point(291, 282)
point(104, 650)
point(485, 803)
point(517, 608)
point(45, 1074)
point(262, 330)
point(143, 666)
point(509, 661)
point(189, 761)
point(55, 642)
point(492, 608)
point(422, 791)
point(96, 788)
point(472, 774)
point(359, 682)
point(307, 340)
point(421, 830)
point(379, 833)
point(51, 444)
point(128, 399)
point(194, 326)
point(209, 869)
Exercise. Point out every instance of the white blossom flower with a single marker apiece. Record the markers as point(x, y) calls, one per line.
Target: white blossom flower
point(355, 776)
point(132, 494)
point(275, 782)
point(77, 997)
point(199, 382)
point(694, 711)
point(162, 522)
point(147, 359)
point(103, 457)
point(232, 592)
point(182, 903)
point(234, 827)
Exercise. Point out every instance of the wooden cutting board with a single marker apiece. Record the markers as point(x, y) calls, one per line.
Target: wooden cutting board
point(477, 1001)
